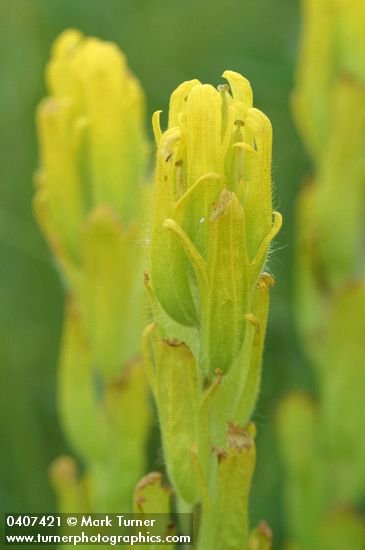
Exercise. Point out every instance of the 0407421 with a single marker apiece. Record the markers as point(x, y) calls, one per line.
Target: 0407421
point(21, 520)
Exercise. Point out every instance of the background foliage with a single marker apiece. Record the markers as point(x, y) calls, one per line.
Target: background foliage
point(166, 41)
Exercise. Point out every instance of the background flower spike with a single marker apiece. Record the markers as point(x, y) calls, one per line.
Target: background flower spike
point(329, 107)
point(91, 202)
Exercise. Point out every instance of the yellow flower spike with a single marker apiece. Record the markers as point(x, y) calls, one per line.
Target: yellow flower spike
point(93, 152)
point(90, 204)
point(213, 192)
point(212, 228)
point(94, 76)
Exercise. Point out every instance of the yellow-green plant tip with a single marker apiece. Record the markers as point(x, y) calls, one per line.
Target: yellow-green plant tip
point(95, 116)
point(216, 200)
point(212, 228)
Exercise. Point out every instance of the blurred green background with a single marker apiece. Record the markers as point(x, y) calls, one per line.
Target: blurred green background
point(166, 41)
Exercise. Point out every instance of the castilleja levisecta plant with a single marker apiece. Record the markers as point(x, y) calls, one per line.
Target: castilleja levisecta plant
point(212, 228)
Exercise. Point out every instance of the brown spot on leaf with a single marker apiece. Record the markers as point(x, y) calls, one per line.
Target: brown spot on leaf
point(237, 437)
point(173, 342)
